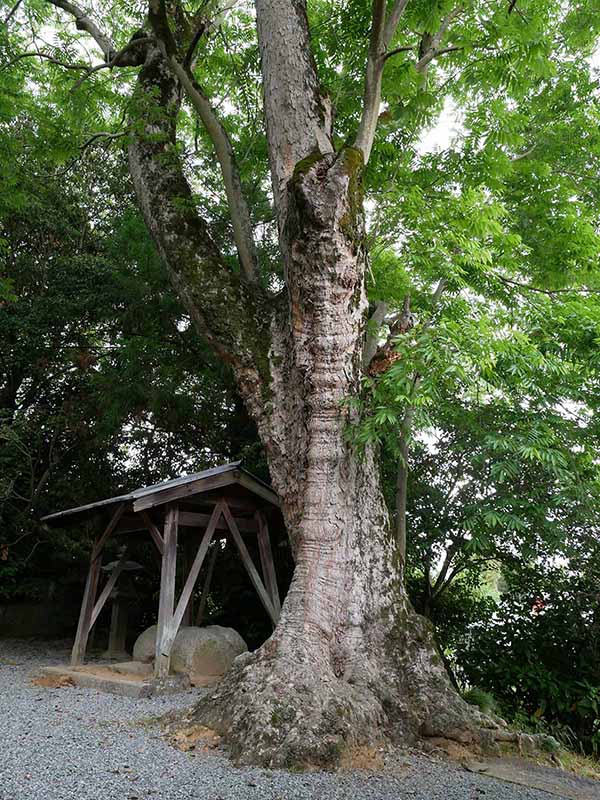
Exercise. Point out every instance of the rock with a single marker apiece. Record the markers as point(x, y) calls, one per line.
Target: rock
point(206, 651)
point(145, 645)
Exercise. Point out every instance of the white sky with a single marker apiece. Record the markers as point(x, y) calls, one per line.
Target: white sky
point(449, 124)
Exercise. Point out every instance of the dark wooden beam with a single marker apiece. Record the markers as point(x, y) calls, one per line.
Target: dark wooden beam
point(250, 568)
point(266, 560)
point(99, 546)
point(181, 492)
point(154, 532)
point(85, 622)
point(248, 482)
point(191, 519)
point(110, 585)
point(85, 614)
point(187, 519)
point(206, 586)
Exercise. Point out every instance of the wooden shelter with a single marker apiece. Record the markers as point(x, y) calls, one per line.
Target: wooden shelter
point(226, 501)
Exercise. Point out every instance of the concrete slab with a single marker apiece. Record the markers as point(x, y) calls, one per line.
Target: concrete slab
point(103, 678)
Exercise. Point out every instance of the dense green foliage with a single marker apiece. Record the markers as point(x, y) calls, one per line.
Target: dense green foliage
point(495, 387)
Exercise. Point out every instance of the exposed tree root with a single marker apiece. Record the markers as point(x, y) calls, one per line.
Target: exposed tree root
point(281, 710)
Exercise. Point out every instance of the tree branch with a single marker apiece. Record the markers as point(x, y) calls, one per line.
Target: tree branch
point(382, 33)
point(238, 208)
point(404, 437)
point(240, 214)
point(232, 315)
point(118, 59)
point(106, 135)
point(46, 57)
point(372, 338)
point(84, 22)
point(298, 116)
point(430, 44)
point(392, 21)
point(550, 292)
point(12, 12)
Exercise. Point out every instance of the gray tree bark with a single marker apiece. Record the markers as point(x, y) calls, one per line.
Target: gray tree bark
point(349, 662)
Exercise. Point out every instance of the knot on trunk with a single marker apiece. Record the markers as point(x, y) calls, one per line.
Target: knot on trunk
point(326, 189)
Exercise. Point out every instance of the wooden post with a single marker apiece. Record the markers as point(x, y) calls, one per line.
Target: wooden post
point(167, 593)
point(250, 568)
point(186, 593)
point(85, 615)
point(206, 586)
point(188, 560)
point(266, 560)
point(91, 587)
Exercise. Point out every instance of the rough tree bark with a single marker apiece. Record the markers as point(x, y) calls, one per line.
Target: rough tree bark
point(350, 662)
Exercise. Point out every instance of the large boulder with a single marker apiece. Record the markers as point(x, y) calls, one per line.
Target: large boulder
point(206, 651)
point(196, 652)
point(145, 645)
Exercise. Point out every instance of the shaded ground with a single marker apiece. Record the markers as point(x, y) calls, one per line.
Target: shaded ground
point(63, 743)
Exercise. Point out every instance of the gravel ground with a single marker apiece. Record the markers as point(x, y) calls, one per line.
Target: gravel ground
point(65, 743)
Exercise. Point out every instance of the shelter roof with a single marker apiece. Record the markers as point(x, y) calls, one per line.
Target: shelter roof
point(184, 487)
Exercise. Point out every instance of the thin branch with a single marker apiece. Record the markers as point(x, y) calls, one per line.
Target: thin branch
point(396, 50)
point(526, 154)
point(105, 135)
point(117, 59)
point(372, 339)
point(47, 57)
point(549, 292)
point(84, 22)
point(12, 12)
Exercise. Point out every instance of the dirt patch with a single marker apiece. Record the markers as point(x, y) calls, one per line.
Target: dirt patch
point(366, 758)
point(53, 681)
point(195, 737)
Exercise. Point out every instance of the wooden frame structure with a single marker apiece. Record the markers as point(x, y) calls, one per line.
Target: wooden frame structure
point(227, 501)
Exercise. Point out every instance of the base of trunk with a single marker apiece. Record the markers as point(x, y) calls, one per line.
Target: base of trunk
point(278, 709)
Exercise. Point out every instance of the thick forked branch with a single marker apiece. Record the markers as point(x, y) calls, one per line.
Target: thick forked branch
point(233, 317)
point(238, 208)
point(382, 32)
point(298, 117)
point(230, 314)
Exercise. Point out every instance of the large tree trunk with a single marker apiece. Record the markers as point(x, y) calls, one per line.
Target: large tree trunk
point(349, 662)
